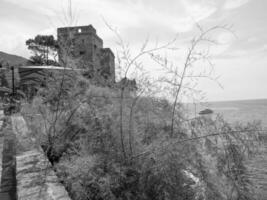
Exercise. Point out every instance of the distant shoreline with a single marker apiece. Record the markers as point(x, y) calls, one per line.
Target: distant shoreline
point(221, 101)
point(244, 100)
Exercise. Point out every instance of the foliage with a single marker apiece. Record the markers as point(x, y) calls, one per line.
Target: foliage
point(87, 155)
point(43, 47)
point(107, 143)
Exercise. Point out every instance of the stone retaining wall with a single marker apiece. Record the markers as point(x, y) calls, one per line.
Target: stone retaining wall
point(34, 174)
point(1, 141)
point(8, 178)
point(36, 179)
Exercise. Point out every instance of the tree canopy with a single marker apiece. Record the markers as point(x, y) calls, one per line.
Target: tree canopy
point(44, 49)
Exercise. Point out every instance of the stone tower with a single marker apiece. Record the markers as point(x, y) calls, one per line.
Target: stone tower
point(84, 48)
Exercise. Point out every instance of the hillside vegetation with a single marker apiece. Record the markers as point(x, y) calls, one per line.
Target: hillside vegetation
point(124, 142)
point(13, 60)
point(103, 146)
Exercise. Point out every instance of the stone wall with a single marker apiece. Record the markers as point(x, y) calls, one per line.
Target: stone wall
point(26, 172)
point(82, 47)
point(8, 175)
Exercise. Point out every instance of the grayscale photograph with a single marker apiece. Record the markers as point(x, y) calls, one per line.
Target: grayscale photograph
point(133, 100)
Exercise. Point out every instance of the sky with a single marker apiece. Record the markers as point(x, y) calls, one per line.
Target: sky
point(240, 59)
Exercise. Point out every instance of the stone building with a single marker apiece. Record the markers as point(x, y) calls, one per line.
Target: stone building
point(83, 48)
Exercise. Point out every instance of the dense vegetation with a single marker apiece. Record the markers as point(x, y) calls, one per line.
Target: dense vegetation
point(114, 143)
point(44, 49)
point(79, 127)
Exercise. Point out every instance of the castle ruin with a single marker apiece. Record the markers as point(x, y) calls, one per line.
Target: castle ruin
point(84, 47)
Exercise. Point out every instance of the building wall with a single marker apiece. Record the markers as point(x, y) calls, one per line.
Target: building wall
point(82, 46)
point(108, 65)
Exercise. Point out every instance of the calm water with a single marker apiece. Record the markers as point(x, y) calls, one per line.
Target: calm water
point(233, 111)
point(244, 111)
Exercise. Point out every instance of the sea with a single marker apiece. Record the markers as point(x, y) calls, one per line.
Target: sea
point(243, 111)
point(235, 111)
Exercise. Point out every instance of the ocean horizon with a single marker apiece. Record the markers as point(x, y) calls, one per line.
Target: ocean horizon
point(242, 111)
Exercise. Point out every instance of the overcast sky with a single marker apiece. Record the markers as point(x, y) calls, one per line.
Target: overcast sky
point(240, 60)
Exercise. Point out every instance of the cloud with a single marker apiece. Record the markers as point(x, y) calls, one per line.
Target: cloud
point(14, 44)
point(225, 41)
point(41, 7)
point(264, 48)
point(225, 38)
point(233, 54)
point(232, 4)
point(252, 39)
point(199, 10)
point(49, 31)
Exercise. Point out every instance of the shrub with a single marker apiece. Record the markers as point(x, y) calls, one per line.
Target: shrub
point(204, 159)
